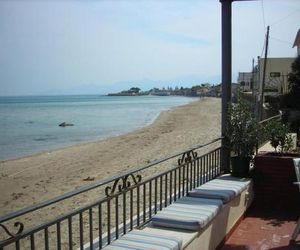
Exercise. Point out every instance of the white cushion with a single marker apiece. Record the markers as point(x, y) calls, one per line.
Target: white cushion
point(224, 187)
point(188, 213)
point(138, 239)
point(212, 193)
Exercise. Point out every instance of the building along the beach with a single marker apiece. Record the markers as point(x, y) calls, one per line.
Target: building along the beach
point(245, 80)
point(276, 79)
point(277, 70)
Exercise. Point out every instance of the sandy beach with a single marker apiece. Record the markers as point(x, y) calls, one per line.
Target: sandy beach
point(36, 178)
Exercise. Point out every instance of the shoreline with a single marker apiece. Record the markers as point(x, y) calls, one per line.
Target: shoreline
point(62, 170)
point(96, 141)
point(98, 138)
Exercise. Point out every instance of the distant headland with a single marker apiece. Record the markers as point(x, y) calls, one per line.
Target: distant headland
point(204, 89)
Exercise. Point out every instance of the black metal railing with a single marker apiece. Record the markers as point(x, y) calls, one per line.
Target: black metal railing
point(123, 203)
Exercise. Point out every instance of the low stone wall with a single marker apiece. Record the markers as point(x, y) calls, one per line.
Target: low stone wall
point(215, 232)
point(223, 224)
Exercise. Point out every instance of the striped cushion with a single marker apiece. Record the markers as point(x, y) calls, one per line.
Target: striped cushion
point(224, 187)
point(188, 213)
point(242, 182)
point(140, 240)
point(212, 193)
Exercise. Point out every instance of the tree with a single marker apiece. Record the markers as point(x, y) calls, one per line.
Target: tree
point(294, 76)
point(134, 90)
point(291, 100)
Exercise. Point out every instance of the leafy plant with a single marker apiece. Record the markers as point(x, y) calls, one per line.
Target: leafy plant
point(290, 102)
point(277, 133)
point(243, 129)
point(292, 98)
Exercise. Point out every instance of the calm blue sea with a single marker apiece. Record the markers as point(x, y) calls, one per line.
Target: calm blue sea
point(29, 125)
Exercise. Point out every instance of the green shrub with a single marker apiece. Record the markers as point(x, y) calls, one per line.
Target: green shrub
point(277, 133)
point(243, 129)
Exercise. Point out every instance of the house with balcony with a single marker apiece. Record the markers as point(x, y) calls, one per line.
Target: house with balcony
point(192, 204)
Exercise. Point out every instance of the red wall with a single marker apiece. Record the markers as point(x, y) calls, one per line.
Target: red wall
point(273, 180)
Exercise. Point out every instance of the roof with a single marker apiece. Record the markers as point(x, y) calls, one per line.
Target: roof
point(297, 39)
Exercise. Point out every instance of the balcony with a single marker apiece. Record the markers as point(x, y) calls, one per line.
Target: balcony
point(127, 203)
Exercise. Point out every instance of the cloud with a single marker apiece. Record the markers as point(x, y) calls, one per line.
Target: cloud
point(64, 44)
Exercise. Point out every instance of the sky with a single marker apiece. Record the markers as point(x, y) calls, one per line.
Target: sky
point(97, 47)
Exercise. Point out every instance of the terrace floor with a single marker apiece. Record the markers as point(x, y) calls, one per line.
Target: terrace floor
point(264, 228)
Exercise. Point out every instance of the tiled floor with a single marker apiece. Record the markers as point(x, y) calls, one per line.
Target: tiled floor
point(264, 228)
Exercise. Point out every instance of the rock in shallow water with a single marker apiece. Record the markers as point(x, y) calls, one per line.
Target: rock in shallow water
point(64, 124)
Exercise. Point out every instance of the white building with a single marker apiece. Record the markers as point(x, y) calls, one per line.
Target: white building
point(245, 80)
point(276, 75)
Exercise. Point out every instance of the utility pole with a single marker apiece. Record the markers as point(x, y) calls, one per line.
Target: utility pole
point(257, 90)
point(253, 71)
point(264, 75)
point(252, 86)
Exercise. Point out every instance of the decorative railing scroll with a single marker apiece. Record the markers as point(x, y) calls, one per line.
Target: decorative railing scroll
point(13, 235)
point(122, 184)
point(187, 157)
point(128, 201)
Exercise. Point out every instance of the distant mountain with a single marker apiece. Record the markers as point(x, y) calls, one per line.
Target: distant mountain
point(143, 84)
point(147, 84)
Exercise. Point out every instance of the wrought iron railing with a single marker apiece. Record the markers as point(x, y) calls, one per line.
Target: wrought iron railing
point(123, 203)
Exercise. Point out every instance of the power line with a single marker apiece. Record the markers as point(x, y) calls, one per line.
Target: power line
point(285, 17)
point(263, 13)
point(264, 24)
point(280, 40)
point(263, 49)
point(273, 24)
point(264, 72)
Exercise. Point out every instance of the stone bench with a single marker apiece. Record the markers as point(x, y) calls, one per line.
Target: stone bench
point(203, 218)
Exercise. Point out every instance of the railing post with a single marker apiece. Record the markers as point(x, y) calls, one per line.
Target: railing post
point(226, 77)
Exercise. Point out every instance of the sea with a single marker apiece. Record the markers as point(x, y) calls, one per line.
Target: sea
point(30, 124)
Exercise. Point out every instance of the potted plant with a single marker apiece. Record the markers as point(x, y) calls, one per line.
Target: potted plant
point(242, 136)
point(276, 168)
